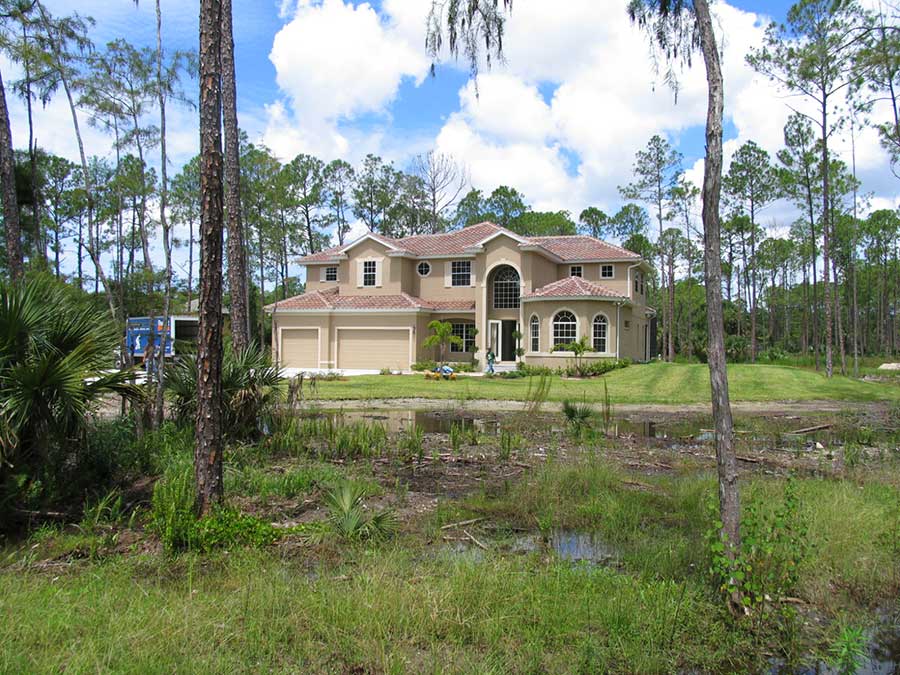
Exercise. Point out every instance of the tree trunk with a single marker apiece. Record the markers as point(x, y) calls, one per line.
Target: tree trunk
point(190, 275)
point(671, 283)
point(163, 221)
point(826, 236)
point(237, 262)
point(10, 203)
point(726, 463)
point(209, 442)
point(40, 251)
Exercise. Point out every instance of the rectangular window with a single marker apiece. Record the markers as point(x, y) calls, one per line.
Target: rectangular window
point(369, 272)
point(331, 274)
point(627, 324)
point(637, 282)
point(466, 333)
point(461, 273)
point(575, 271)
point(535, 334)
point(607, 272)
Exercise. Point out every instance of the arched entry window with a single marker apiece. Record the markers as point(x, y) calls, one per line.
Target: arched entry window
point(535, 334)
point(565, 328)
point(601, 327)
point(506, 288)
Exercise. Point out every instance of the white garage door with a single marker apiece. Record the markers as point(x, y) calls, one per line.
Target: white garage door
point(299, 348)
point(373, 348)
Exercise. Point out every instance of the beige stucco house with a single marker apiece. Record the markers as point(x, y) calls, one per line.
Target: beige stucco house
point(368, 303)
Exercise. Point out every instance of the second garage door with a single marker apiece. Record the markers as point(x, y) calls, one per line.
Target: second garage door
point(299, 348)
point(373, 349)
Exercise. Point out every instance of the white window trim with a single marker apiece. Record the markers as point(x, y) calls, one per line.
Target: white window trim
point(531, 335)
point(379, 272)
point(602, 265)
point(323, 274)
point(608, 332)
point(552, 342)
point(463, 350)
point(448, 274)
point(430, 268)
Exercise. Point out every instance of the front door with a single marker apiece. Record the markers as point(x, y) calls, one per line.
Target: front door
point(507, 341)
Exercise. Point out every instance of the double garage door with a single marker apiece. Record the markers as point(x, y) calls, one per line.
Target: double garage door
point(357, 348)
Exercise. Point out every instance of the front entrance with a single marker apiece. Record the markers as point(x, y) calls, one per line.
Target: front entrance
point(501, 340)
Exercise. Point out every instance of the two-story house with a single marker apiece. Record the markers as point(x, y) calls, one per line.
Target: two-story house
point(368, 303)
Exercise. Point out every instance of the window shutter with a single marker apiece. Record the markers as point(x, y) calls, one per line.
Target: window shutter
point(379, 265)
point(447, 267)
point(322, 273)
point(472, 274)
point(359, 273)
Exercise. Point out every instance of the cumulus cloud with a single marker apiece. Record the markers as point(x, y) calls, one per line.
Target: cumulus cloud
point(335, 61)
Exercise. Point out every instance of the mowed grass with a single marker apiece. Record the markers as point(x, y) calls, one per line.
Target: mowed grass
point(641, 383)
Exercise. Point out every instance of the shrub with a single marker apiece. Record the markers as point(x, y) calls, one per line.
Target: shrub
point(228, 527)
point(578, 415)
point(172, 513)
point(250, 390)
point(55, 360)
point(412, 442)
point(348, 517)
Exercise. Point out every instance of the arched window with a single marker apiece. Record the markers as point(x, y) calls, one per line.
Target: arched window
point(506, 288)
point(601, 326)
point(535, 334)
point(565, 328)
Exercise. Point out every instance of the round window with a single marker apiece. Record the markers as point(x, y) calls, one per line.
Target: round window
point(424, 269)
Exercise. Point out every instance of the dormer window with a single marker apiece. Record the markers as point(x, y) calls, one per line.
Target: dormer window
point(331, 274)
point(607, 272)
point(575, 271)
point(369, 267)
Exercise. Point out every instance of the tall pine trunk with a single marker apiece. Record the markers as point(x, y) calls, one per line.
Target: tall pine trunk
point(237, 261)
point(826, 237)
point(726, 462)
point(164, 222)
point(209, 441)
point(10, 203)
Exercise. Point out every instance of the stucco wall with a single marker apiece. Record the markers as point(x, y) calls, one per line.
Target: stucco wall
point(584, 311)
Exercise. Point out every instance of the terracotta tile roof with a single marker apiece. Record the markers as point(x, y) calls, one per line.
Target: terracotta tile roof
point(332, 300)
point(572, 287)
point(578, 247)
point(582, 247)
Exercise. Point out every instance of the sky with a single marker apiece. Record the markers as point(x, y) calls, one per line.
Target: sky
point(560, 120)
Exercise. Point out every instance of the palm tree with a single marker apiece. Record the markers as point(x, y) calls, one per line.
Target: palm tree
point(678, 28)
point(442, 336)
point(209, 441)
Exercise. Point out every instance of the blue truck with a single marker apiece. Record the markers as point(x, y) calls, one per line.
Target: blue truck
point(139, 331)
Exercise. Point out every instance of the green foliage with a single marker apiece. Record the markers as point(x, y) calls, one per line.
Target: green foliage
point(849, 650)
point(458, 366)
point(510, 443)
point(411, 442)
point(442, 337)
point(578, 415)
point(55, 360)
point(228, 527)
point(172, 508)
point(348, 517)
point(773, 546)
point(457, 434)
point(251, 389)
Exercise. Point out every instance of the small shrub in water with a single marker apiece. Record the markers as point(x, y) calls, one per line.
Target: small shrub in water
point(578, 415)
point(456, 437)
point(849, 651)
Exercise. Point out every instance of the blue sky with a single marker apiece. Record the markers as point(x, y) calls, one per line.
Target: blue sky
point(560, 120)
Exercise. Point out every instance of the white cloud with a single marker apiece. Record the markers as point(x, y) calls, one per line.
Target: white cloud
point(334, 63)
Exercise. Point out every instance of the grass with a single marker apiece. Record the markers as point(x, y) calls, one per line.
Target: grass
point(405, 607)
point(674, 383)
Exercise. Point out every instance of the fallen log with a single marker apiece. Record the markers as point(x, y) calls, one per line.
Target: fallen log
point(461, 523)
point(809, 430)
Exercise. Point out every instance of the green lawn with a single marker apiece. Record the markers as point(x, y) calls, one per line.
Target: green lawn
point(643, 383)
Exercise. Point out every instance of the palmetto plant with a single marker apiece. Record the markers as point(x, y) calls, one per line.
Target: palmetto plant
point(250, 389)
point(348, 516)
point(55, 365)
